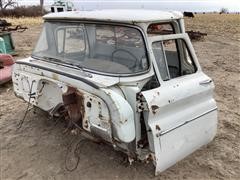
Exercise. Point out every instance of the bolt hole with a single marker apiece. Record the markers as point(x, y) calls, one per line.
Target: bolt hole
point(89, 104)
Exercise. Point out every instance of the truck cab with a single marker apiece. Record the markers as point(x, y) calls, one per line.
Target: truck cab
point(61, 6)
point(129, 78)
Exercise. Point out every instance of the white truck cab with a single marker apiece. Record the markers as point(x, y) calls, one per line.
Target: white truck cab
point(130, 78)
point(61, 6)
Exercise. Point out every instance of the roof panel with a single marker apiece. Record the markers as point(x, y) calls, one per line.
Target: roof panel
point(119, 15)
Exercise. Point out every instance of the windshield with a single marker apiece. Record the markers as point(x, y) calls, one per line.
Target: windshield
point(103, 48)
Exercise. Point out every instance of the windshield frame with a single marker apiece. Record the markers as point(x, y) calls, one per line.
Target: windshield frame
point(138, 28)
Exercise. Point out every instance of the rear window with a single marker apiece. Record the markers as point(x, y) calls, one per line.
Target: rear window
point(160, 29)
point(119, 35)
point(59, 9)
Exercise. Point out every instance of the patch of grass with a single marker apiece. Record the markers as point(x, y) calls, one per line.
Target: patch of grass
point(24, 21)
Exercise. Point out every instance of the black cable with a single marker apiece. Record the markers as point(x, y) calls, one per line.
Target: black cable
point(76, 153)
point(43, 84)
point(77, 157)
point(27, 109)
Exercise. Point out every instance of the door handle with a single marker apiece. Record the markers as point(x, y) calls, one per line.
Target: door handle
point(205, 82)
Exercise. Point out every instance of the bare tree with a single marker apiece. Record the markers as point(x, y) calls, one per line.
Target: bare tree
point(41, 4)
point(7, 3)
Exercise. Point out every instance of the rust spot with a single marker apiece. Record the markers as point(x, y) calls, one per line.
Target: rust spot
point(86, 124)
point(142, 143)
point(148, 158)
point(73, 101)
point(158, 127)
point(154, 108)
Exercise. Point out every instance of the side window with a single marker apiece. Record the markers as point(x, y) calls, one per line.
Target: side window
point(42, 44)
point(70, 40)
point(160, 59)
point(60, 40)
point(173, 58)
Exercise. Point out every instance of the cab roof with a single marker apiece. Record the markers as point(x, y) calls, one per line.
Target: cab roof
point(117, 15)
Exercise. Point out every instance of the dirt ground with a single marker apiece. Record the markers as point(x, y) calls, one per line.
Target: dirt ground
point(37, 151)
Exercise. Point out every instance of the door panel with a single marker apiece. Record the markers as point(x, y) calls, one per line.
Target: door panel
point(178, 143)
point(179, 100)
point(182, 115)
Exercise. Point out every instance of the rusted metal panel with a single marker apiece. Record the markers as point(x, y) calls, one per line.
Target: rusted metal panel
point(73, 101)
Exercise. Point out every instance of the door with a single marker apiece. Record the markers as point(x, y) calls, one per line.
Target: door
point(182, 114)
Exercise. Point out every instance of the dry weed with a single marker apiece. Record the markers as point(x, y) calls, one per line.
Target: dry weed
point(25, 21)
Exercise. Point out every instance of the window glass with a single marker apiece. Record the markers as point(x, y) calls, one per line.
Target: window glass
point(161, 61)
point(173, 58)
point(118, 35)
point(74, 40)
point(99, 47)
point(187, 64)
point(43, 46)
point(160, 29)
point(122, 45)
point(60, 40)
point(70, 40)
point(59, 9)
point(105, 35)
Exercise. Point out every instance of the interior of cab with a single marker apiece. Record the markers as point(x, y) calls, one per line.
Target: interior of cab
point(104, 48)
point(121, 48)
point(173, 58)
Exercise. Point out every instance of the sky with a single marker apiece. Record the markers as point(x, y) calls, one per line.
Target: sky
point(180, 5)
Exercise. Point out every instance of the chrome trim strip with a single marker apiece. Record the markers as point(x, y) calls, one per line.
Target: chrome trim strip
point(60, 73)
point(186, 122)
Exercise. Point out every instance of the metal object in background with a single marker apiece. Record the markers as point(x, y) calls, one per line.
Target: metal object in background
point(188, 14)
point(61, 6)
point(7, 45)
point(196, 35)
point(2, 46)
point(7, 27)
point(6, 63)
point(6, 42)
